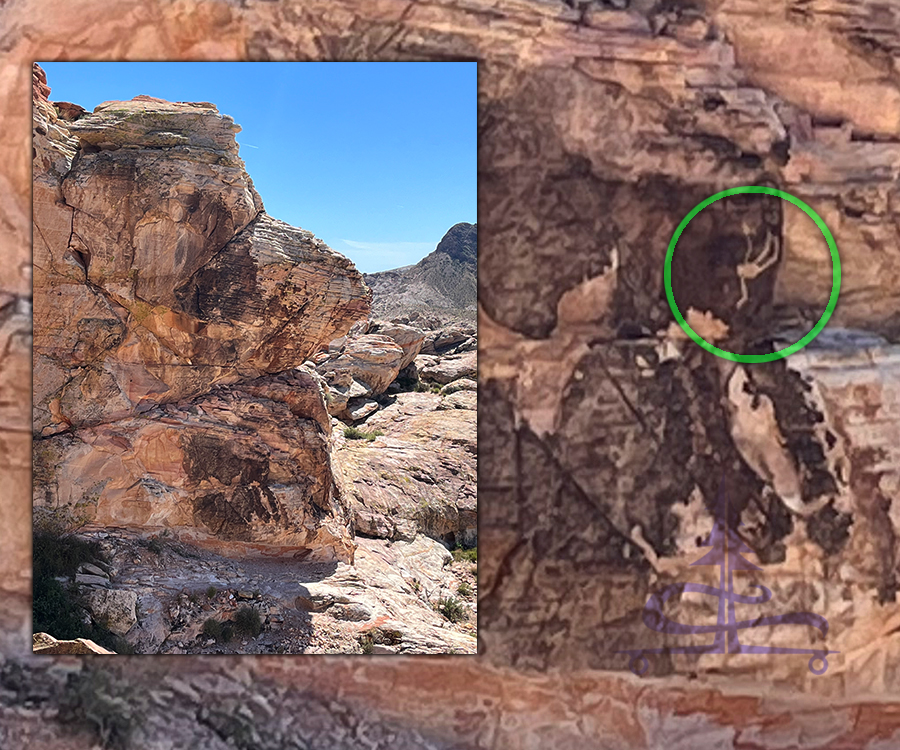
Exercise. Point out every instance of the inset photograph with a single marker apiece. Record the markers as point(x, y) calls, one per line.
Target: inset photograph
point(254, 399)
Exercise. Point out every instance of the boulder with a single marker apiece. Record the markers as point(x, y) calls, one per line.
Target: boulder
point(364, 366)
point(408, 338)
point(360, 408)
point(447, 369)
point(114, 609)
point(170, 313)
point(463, 384)
point(244, 470)
point(193, 284)
point(446, 339)
point(42, 643)
point(460, 400)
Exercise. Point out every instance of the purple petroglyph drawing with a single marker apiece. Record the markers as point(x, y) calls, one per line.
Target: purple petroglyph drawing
point(726, 548)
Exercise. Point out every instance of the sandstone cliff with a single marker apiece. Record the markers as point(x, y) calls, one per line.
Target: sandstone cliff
point(167, 303)
point(832, 62)
point(179, 417)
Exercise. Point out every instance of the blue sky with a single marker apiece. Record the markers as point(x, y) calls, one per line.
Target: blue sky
point(377, 159)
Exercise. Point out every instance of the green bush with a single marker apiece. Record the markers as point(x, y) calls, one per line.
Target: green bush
point(354, 433)
point(248, 622)
point(155, 546)
point(61, 554)
point(211, 592)
point(452, 608)
point(57, 610)
point(464, 589)
point(460, 554)
point(57, 607)
point(212, 628)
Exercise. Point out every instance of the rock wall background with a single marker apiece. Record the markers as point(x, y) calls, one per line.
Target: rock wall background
point(167, 302)
point(640, 108)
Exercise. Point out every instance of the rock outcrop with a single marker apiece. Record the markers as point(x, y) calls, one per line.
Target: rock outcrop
point(167, 303)
point(48, 645)
point(443, 282)
point(390, 597)
point(358, 367)
point(710, 88)
point(419, 475)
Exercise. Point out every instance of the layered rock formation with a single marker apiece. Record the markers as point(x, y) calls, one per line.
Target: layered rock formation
point(443, 282)
point(167, 303)
point(419, 475)
point(741, 68)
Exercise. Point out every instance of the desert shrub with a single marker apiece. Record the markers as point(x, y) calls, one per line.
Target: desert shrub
point(354, 433)
point(248, 622)
point(60, 554)
point(211, 592)
point(59, 522)
point(57, 607)
point(154, 545)
point(460, 554)
point(212, 628)
point(227, 632)
point(452, 608)
point(464, 589)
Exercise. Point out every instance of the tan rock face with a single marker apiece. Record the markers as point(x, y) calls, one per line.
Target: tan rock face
point(244, 470)
point(170, 277)
point(419, 477)
point(762, 89)
point(47, 644)
point(363, 365)
point(158, 277)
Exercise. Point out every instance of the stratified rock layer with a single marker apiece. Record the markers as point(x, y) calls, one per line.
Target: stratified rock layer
point(744, 69)
point(160, 284)
point(418, 476)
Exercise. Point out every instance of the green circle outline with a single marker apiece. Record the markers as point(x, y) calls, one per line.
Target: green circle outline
point(781, 353)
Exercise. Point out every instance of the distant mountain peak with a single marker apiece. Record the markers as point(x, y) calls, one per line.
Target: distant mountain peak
point(444, 281)
point(460, 243)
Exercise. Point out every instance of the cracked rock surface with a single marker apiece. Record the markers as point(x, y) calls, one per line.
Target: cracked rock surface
point(600, 126)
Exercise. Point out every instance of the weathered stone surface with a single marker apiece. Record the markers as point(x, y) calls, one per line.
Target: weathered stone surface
point(192, 285)
point(149, 122)
point(421, 477)
point(360, 408)
point(447, 369)
point(408, 338)
point(304, 606)
point(143, 314)
point(89, 580)
point(115, 609)
point(244, 470)
point(446, 339)
point(739, 83)
point(364, 365)
point(463, 384)
point(47, 644)
point(460, 400)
